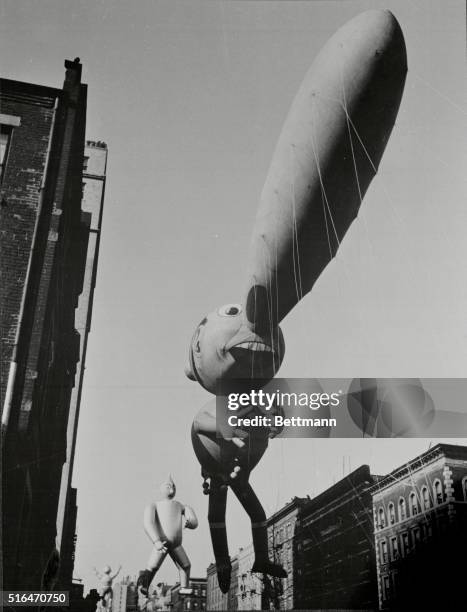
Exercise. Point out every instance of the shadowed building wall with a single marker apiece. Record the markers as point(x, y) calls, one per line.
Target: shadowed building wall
point(334, 547)
point(420, 519)
point(94, 171)
point(43, 255)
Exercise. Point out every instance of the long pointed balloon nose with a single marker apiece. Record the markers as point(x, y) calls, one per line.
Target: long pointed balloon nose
point(378, 21)
point(378, 31)
point(328, 152)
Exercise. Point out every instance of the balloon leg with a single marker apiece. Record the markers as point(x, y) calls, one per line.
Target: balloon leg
point(145, 578)
point(216, 518)
point(247, 497)
point(155, 560)
point(180, 558)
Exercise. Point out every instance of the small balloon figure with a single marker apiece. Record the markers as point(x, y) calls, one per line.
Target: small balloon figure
point(105, 587)
point(328, 152)
point(164, 521)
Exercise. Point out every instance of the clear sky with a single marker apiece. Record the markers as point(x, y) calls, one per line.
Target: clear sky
point(190, 98)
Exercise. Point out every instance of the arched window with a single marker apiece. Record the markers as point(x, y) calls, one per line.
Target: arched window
point(402, 509)
point(381, 518)
point(413, 504)
point(426, 498)
point(464, 487)
point(438, 491)
point(391, 513)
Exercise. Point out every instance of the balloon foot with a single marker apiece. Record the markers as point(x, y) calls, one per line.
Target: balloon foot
point(271, 569)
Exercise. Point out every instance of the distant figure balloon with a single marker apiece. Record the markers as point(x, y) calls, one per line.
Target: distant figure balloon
point(105, 587)
point(164, 521)
point(327, 154)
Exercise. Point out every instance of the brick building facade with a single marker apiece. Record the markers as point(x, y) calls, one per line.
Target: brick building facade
point(44, 241)
point(420, 521)
point(335, 558)
point(215, 598)
point(195, 601)
point(125, 596)
point(282, 526)
point(249, 585)
point(368, 542)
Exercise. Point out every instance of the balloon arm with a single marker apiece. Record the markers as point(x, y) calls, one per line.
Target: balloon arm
point(117, 572)
point(205, 423)
point(150, 523)
point(191, 520)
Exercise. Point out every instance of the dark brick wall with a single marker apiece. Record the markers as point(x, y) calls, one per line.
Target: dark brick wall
point(48, 347)
point(334, 548)
point(67, 554)
point(19, 203)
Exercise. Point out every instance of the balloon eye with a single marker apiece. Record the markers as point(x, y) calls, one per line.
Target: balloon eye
point(230, 310)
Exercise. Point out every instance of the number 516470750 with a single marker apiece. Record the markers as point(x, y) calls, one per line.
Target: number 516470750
point(34, 598)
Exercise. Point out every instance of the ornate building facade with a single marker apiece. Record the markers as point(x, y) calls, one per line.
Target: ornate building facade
point(420, 525)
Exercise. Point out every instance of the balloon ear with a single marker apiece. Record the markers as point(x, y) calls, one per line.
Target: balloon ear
point(189, 373)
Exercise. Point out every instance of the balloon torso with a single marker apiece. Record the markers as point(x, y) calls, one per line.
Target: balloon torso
point(170, 518)
point(218, 455)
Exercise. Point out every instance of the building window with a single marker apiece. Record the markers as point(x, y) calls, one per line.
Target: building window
point(428, 531)
point(5, 138)
point(438, 491)
point(381, 518)
point(386, 587)
point(464, 487)
point(384, 551)
point(402, 509)
point(413, 504)
point(391, 513)
point(405, 543)
point(394, 548)
point(85, 162)
point(417, 536)
point(426, 498)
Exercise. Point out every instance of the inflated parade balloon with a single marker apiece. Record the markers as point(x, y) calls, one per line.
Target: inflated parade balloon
point(164, 521)
point(328, 152)
point(105, 592)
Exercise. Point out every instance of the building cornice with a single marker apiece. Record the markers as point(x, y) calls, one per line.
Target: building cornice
point(440, 451)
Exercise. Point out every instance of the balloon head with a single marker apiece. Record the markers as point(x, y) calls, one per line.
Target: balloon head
point(225, 349)
point(168, 488)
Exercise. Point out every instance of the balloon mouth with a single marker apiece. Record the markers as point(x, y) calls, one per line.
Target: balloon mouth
point(254, 346)
point(256, 356)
